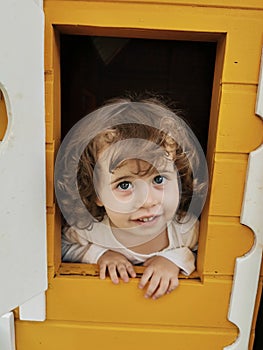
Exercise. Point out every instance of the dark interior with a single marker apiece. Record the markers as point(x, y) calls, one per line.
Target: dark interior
point(94, 69)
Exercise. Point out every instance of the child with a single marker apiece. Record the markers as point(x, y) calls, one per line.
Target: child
point(130, 186)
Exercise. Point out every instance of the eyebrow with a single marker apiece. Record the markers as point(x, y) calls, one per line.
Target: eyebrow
point(121, 178)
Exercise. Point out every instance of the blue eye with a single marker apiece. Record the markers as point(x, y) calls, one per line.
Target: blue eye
point(124, 186)
point(159, 179)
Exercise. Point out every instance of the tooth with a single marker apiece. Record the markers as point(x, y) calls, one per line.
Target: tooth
point(147, 219)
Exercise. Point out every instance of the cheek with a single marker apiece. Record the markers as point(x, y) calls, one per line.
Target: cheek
point(117, 219)
point(111, 214)
point(117, 202)
point(171, 196)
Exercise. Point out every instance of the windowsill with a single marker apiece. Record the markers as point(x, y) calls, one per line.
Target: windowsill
point(78, 269)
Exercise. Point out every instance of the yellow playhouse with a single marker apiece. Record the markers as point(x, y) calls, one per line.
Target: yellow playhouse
point(60, 59)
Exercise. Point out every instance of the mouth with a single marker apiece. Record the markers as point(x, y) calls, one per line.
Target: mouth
point(144, 220)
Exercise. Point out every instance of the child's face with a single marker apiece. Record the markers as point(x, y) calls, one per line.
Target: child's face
point(139, 203)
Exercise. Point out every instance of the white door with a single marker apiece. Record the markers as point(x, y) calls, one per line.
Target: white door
point(23, 274)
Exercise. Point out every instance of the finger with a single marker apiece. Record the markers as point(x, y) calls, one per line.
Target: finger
point(113, 273)
point(153, 284)
point(131, 271)
point(102, 272)
point(162, 289)
point(174, 283)
point(123, 272)
point(145, 277)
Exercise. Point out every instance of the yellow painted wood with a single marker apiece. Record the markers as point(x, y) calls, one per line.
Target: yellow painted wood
point(52, 83)
point(79, 269)
point(232, 4)
point(239, 129)
point(68, 336)
point(226, 240)
point(83, 311)
point(89, 299)
point(53, 238)
point(243, 46)
point(49, 103)
point(228, 181)
point(3, 116)
point(215, 99)
point(50, 161)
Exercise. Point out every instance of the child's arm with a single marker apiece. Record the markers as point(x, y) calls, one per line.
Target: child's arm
point(75, 248)
point(184, 255)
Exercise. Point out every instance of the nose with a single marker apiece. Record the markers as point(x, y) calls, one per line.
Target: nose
point(150, 198)
point(146, 195)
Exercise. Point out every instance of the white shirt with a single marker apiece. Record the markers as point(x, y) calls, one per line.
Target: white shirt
point(86, 246)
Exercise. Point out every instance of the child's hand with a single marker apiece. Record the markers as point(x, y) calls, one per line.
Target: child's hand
point(162, 276)
point(116, 264)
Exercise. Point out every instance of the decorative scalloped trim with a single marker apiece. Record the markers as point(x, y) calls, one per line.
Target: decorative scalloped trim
point(247, 269)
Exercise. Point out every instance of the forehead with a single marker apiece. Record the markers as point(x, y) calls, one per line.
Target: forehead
point(133, 166)
point(140, 167)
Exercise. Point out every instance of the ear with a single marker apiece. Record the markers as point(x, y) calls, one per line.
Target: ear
point(99, 202)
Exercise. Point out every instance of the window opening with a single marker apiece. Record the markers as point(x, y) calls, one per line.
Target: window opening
point(95, 69)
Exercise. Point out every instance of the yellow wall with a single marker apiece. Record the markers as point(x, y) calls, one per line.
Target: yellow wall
point(84, 312)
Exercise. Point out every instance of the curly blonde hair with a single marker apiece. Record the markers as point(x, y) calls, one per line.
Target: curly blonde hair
point(149, 130)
